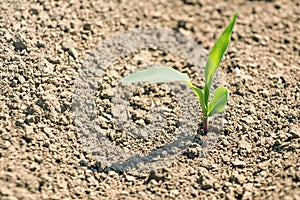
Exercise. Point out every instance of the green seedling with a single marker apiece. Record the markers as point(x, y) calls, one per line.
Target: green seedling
point(160, 74)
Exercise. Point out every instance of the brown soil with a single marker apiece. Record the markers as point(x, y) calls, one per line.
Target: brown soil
point(43, 45)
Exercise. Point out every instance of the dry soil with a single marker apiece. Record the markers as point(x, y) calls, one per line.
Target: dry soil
point(43, 45)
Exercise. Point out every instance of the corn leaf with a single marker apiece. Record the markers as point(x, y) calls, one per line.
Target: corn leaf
point(217, 53)
point(218, 101)
point(200, 96)
point(156, 74)
point(206, 95)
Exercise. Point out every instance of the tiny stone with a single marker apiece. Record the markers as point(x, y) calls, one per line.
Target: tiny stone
point(252, 65)
point(8, 37)
point(40, 44)
point(83, 163)
point(130, 178)
point(69, 44)
point(54, 60)
point(29, 129)
point(124, 192)
point(247, 120)
point(5, 136)
point(19, 46)
point(224, 121)
point(46, 144)
point(244, 145)
point(37, 158)
point(72, 52)
point(225, 158)
point(5, 191)
point(239, 163)
point(47, 130)
point(112, 174)
point(6, 145)
point(123, 21)
point(34, 11)
point(237, 71)
point(10, 168)
point(230, 196)
point(19, 122)
point(175, 192)
point(265, 93)
point(21, 79)
point(87, 27)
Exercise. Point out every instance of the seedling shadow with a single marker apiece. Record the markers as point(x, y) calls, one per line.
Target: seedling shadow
point(181, 144)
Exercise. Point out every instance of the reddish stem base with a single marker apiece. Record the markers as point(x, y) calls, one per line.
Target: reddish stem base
point(205, 125)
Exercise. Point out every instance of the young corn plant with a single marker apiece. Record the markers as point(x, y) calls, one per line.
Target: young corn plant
point(160, 74)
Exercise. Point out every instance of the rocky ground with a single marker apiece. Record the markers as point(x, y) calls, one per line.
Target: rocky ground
point(43, 45)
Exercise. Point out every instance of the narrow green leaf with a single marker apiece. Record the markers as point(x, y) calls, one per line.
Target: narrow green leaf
point(217, 53)
point(206, 95)
point(200, 96)
point(218, 101)
point(156, 74)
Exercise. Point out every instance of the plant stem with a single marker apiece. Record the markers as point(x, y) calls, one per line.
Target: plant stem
point(205, 125)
